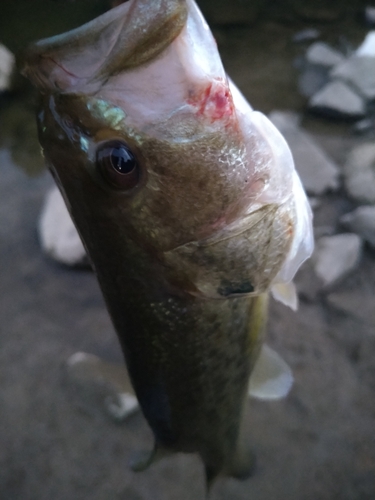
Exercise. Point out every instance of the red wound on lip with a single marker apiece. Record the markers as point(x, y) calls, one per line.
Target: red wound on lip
point(214, 101)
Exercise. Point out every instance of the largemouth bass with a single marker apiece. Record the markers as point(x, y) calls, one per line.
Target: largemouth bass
point(189, 207)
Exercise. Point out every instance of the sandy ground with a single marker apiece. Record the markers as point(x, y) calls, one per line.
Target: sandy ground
point(317, 444)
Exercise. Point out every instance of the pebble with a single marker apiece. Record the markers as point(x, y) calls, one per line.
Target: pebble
point(324, 55)
point(312, 78)
point(359, 173)
point(7, 64)
point(359, 72)
point(369, 15)
point(367, 47)
point(340, 86)
point(306, 35)
point(335, 256)
point(362, 222)
point(317, 171)
point(365, 126)
point(338, 100)
point(96, 386)
point(58, 236)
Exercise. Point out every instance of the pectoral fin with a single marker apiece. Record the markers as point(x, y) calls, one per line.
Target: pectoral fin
point(271, 378)
point(286, 293)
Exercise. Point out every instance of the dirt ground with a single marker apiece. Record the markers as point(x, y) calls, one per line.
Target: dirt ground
point(317, 444)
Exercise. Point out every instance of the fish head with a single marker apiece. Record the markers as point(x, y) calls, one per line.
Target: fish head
point(153, 146)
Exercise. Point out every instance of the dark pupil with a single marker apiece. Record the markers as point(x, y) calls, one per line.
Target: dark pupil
point(122, 160)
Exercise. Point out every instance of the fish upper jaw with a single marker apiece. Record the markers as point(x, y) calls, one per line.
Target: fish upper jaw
point(151, 58)
point(83, 59)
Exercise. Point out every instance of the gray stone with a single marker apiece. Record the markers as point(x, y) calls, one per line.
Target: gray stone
point(306, 35)
point(335, 256)
point(7, 63)
point(359, 173)
point(337, 99)
point(312, 79)
point(362, 222)
point(324, 55)
point(318, 172)
point(358, 71)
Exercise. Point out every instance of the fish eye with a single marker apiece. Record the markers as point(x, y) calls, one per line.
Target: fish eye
point(118, 165)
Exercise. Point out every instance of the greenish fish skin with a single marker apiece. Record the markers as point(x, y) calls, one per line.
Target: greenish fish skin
point(189, 357)
point(184, 266)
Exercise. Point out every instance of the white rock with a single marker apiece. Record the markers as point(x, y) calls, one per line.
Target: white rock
point(337, 98)
point(318, 173)
point(367, 48)
point(358, 72)
point(323, 54)
point(361, 221)
point(121, 406)
point(57, 233)
point(7, 62)
point(335, 256)
point(359, 173)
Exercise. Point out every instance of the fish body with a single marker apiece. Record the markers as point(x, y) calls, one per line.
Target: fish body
point(188, 205)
